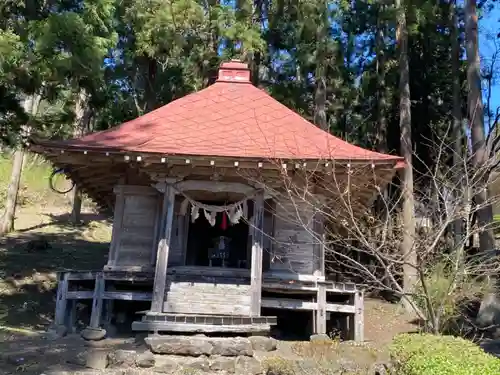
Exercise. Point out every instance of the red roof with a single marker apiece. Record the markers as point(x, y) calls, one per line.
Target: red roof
point(231, 118)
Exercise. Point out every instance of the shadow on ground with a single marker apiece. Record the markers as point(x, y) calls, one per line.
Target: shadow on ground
point(29, 262)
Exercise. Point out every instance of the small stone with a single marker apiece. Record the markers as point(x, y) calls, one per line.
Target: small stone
point(122, 357)
point(96, 359)
point(232, 347)
point(219, 363)
point(199, 363)
point(179, 345)
point(145, 360)
point(93, 334)
point(320, 337)
point(248, 366)
point(264, 344)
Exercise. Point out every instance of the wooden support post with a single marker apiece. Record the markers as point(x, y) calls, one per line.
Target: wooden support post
point(359, 317)
point(95, 316)
point(163, 250)
point(319, 245)
point(71, 317)
point(61, 300)
point(257, 248)
point(321, 311)
point(117, 227)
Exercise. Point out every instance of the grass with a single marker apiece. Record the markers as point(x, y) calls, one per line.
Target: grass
point(28, 270)
point(34, 187)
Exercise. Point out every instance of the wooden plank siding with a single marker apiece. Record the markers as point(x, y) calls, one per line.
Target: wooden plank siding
point(134, 237)
point(207, 298)
point(176, 255)
point(293, 248)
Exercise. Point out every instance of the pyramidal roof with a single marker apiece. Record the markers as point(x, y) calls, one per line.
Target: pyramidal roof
point(231, 118)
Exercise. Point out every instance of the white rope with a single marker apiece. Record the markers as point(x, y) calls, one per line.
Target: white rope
point(235, 210)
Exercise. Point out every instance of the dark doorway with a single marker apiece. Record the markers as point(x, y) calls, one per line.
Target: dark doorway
point(204, 243)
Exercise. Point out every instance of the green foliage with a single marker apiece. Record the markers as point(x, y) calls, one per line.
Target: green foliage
point(446, 296)
point(425, 354)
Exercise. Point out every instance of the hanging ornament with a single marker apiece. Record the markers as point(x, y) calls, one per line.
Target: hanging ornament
point(224, 221)
point(195, 213)
point(211, 217)
point(235, 214)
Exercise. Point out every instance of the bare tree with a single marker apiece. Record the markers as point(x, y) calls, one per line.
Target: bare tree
point(364, 246)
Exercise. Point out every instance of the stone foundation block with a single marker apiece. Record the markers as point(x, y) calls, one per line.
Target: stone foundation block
point(248, 366)
point(262, 343)
point(145, 360)
point(226, 364)
point(232, 347)
point(200, 363)
point(121, 357)
point(179, 345)
point(96, 359)
point(93, 334)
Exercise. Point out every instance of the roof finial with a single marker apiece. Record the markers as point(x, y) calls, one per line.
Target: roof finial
point(234, 71)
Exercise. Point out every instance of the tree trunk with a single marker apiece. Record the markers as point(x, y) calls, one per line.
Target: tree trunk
point(381, 128)
point(82, 122)
point(458, 154)
point(407, 245)
point(30, 105)
point(320, 74)
point(7, 224)
point(489, 312)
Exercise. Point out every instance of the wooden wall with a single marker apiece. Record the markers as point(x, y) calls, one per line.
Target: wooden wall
point(288, 241)
point(134, 237)
point(293, 247)
point(186, 297)
point(178, 241)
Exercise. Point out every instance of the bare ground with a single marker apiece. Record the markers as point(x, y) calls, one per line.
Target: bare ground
point(27, 297)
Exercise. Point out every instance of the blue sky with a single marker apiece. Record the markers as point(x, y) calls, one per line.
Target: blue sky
point(489, 45)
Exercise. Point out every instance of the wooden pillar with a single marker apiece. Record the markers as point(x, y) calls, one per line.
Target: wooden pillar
point(61, 299)
point(319, 245)
point(257, 249)
point(117, 225)
point(359, 326)
point(95, 316)
point(321, 311)
point(163, 250)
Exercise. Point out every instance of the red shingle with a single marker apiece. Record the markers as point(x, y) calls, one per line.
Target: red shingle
point(230, 118)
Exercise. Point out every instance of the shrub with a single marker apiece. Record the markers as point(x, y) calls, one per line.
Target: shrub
point(426, 354)
point(278, 366)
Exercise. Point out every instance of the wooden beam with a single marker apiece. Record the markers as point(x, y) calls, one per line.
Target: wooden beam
point(296, 304)
point(189, 327)
point(215, 186)
point(163, 250)
point(134, 190)
point(321, 311)
point(257, 256)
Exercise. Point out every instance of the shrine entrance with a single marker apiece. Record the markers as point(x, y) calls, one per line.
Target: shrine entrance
point(218, 242)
